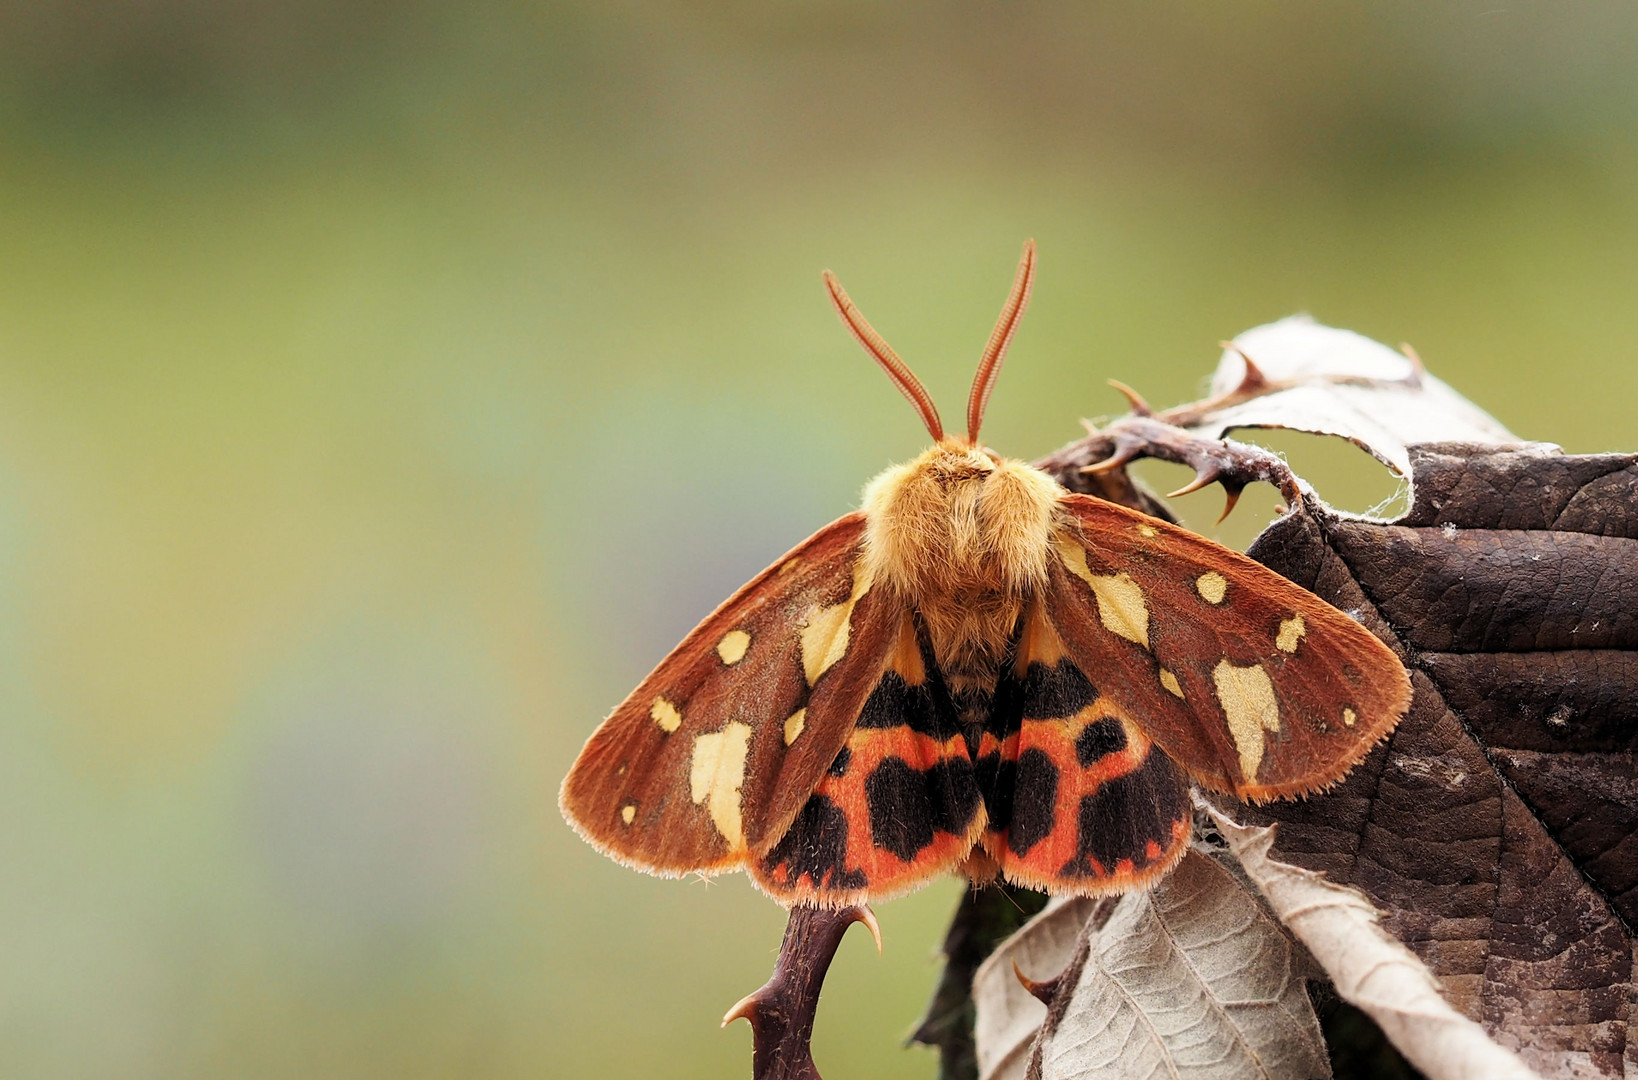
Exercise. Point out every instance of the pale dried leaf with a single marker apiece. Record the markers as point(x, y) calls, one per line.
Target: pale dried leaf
point(1008, 1015)
point(1347, 385)
point(1368, 967)
point(1193, 980)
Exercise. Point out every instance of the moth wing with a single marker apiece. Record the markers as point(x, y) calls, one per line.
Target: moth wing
point(1250, 683)
point(716, 751)
point(897, 806)
point(1080, 799)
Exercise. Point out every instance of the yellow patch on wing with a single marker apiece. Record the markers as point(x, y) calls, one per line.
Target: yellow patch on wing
point(1349, 716)
point(1291, 632)
point(1169, 681)
point(665, 714)
point(1148, 530)
point(826, 630)
point(1121, 607)
point(628, 813)
point(1211, 586)
point(794, 725)
point(732, 646)
point(1247, 697)
point(715, 776)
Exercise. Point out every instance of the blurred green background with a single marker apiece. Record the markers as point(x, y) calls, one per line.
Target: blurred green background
point(385, 387)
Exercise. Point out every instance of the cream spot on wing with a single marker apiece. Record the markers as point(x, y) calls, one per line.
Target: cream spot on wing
point(715, 775)
point(733, 645)
point(1212, 587)
point(790, 564)
point(825, 634)
point(665, 714)
point(628, 813)
point(793, 727)
point(1349, 716)
point(1291, 632)
point(1121, 606)
point(1247, 697)
point(1169, 681)
point(1148, 530)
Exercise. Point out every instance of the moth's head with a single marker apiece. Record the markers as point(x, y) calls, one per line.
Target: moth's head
point(951, 452)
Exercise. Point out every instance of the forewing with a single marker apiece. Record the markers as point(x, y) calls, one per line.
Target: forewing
point(714, 753)
point(1080, 800)
point(1249, 682)
point(898, 805)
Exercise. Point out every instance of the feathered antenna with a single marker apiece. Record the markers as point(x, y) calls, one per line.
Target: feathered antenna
point(896, 369)
point(989, 366)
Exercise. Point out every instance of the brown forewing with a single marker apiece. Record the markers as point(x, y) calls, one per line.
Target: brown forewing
point(633, 766)
point(1227, 678)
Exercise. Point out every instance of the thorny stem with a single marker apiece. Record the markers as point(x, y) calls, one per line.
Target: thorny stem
point(782, 1011)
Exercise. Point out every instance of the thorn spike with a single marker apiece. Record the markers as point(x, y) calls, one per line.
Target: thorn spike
point(862, 913)
point(1232, 496)
point(1417, 368)
point(1201, 479)
point(1040, 991)
point(744, 1009)
point(989, 365)
point(1122, 454)
point(883, 353)
point(1139, 406)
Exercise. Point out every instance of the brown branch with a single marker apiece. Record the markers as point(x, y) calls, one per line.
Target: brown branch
point(782, 1011)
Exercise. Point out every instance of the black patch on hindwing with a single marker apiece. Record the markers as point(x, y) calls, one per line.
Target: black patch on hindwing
point(1055, 693)
point(1099, 739)
point(815, 846)
point(924, 708)
point(838, 767)
point(1118, 820)
point(908, 806)
point(1034, 800)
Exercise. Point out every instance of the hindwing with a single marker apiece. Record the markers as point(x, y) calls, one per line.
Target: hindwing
point(1080, 800)
point(898, 805)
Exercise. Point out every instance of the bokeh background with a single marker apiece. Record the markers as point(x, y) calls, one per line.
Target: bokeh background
point(384, 387)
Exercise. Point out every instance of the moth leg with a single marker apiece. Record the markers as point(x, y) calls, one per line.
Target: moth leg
point(781, 1012)
point(1109, 449)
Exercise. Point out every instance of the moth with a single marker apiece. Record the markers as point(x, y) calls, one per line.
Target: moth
point(978, 671)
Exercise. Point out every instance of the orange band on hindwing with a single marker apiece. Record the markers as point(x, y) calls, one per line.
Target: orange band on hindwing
point(1080, 800)
point(898, 805)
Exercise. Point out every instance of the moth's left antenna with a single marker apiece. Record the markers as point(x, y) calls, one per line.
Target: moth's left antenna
point(896, 369)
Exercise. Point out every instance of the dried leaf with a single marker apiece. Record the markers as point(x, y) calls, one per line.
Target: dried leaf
point(1194, 979)
point(986, 916)
point(1009, 1016)
point(1336, 382)
point(1368, 967)
point(1497, 829)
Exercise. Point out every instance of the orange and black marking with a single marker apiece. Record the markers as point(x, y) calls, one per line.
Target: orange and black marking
point(899, 803)
point(1079, 799)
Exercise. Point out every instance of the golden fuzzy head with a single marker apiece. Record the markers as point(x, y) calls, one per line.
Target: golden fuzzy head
point(958, 520)
point(959, 532)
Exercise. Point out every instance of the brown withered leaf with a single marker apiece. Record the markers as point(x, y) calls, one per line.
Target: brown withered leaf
point(1367, 966)
point(1497, 828)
